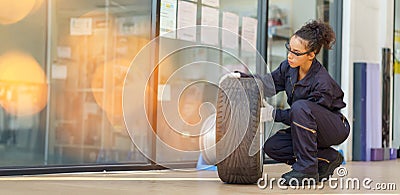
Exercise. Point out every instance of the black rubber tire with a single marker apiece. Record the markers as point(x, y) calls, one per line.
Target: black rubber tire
point(238, 167)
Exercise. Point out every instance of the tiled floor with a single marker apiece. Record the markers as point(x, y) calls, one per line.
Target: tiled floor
point(373, 174)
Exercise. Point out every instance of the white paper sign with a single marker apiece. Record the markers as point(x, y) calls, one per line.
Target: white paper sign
point(249, 33)
point(210, 17)
point(168, 18)
point(58, 71)
point(81, 26)
point(187, 17)
point(91, 108)
point(230, 22)
point(212, 3)
point(64, 52)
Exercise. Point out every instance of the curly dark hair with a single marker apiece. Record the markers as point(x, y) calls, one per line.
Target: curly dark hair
point(318, 34)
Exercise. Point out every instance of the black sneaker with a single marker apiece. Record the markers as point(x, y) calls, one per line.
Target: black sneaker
point(326, 169)
point(296, 178)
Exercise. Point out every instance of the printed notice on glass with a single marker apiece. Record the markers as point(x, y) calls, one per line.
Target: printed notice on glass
point(168, 18)
point(81, 26)
point(249, 33)
point(230, 23)
point(64, 52)
point(210, 17)
point(187, 13)
point(58, 71)
point(212, 3)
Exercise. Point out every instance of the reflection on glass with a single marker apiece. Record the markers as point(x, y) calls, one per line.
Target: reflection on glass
point(23, 83)
point(91, 48)
point(23, 88)
point(23, 95)
point(96, 42)
point(189, 75)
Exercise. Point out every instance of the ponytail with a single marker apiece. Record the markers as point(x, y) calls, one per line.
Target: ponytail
point(318, 34)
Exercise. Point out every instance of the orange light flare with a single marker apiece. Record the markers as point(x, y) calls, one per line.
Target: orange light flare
point(23, 87)
point(14, 11)
point(37, 5)
point(107, 88)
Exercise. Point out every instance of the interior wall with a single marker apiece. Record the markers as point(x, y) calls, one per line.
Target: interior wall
point(367, 28)
point(306, 14)
point(296, 18)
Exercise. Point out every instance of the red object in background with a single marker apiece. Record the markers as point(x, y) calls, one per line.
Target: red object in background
point(274, 22)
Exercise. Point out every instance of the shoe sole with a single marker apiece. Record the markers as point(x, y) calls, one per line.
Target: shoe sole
point(332, 166)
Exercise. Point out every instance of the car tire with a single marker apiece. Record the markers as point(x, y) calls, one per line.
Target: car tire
point(237, 127)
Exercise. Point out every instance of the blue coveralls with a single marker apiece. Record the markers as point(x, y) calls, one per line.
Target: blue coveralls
point(314, 118)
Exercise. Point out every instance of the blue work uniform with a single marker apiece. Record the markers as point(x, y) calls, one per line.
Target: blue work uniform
point(314, 118)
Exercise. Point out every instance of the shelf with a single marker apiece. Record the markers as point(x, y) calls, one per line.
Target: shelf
point(89, 90)
point(279, 32)
point(77, 146)
point(65, 122)
point(279, 38)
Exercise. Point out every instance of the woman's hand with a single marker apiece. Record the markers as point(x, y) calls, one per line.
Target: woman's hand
point(267, 110)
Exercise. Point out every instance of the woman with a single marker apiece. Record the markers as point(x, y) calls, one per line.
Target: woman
point(314, 116)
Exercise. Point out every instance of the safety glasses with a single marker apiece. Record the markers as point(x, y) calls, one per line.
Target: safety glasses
point(287, 45)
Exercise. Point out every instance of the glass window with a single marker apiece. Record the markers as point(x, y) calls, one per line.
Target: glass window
point(93, 44)
point(192, 59)
point(287, 16)
point(63, 65)
point(23, 83)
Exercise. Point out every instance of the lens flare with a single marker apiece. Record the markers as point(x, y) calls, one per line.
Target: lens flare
point(23, 88)
point(15, 10)
point(37, 5)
